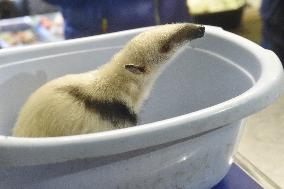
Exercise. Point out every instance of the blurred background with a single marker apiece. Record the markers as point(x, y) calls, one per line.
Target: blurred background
point(33, 21)
point(261, 151)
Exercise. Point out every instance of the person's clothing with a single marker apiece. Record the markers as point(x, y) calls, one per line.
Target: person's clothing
point(90, 17)
point(272, 14)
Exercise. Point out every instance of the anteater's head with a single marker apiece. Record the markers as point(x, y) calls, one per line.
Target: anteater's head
point(148, 51)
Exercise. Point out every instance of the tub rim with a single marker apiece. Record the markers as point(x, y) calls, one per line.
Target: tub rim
point(262, 93)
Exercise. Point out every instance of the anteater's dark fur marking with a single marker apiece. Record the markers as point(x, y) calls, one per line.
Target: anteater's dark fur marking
point(115, 111)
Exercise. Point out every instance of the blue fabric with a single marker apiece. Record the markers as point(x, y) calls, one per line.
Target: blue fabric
point(84, 18)
point(272, 14)
point(236, 178)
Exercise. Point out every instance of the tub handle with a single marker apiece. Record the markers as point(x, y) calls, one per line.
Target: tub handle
point(275, 60)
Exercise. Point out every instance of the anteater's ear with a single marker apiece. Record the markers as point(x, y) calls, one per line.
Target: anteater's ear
point(137, 69)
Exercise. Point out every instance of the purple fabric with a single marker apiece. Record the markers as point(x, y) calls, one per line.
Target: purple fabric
point(84, 18)
point(237, 179)
point(272, 14)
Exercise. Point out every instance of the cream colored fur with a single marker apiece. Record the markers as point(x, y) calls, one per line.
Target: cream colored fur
point(49, 113)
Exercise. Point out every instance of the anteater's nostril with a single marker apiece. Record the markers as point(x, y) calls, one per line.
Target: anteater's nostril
point(197, 32)
point(202, 29)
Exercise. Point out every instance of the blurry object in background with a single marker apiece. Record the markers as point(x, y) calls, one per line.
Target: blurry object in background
point(199, 7)
point(91, 17)
point(272, 14)
point(250, 26)
point(8, 9)
point(31, 30)
point(18, 38)
point(40, 7)
point(254, 3)
point(50, 26)
point(223, 13)
point(16, 32)
point(17, 8)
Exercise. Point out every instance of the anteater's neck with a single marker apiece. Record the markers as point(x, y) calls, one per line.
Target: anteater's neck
point(113, 82)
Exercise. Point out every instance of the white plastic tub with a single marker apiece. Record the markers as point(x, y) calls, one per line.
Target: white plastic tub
point(188, 130)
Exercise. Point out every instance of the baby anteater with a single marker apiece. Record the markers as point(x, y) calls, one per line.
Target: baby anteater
point(109, 97)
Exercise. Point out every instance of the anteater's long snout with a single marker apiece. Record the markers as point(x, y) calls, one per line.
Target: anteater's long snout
point(197, 32)
point(186, 32)
point(192, 31)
